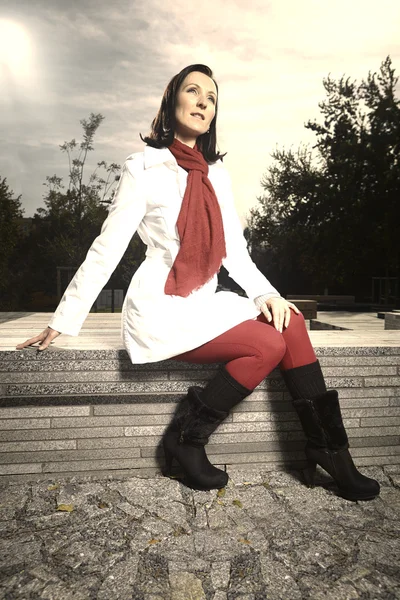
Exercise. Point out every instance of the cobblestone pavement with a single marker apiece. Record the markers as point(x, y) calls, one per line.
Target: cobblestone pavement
point(266, 536)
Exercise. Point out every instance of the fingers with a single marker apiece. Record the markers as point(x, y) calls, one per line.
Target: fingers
point(276, 317)
point(30, 342)
point(266, 312)
point(51, 335)
point(46, 337)
point(287, 317)
point(46, 342)
point(279, 314)
point(280, 310)
point(294, 307)
point(273, 314)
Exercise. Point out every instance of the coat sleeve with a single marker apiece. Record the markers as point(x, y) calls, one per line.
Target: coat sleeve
point(126, 212)
point(238, 262)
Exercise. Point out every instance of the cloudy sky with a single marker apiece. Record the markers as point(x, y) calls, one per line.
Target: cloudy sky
point(61, 60)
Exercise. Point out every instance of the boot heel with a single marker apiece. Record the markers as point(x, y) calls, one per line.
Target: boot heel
point(309, 474)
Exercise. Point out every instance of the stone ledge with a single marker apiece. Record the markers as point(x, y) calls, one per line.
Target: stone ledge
point(392, 320)
point(326, 343)
point(81, 410)
point(325, 298)
point(307, 307)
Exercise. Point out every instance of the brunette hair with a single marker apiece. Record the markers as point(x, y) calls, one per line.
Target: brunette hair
point(163, 125)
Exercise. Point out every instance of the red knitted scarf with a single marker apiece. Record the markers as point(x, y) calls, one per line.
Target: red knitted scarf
point(200, 227)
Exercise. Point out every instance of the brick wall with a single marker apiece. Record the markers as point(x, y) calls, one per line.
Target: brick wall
point(68, 412)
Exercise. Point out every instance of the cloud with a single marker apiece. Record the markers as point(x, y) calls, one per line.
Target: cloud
point(269, 59)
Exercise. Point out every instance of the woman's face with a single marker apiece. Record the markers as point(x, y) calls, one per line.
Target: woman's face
point(195, 107)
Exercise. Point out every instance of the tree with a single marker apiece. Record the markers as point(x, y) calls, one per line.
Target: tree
point(10, 221)
point(331, 213)
point(71, 219)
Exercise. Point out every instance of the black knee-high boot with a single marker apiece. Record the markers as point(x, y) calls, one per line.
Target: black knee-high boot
point(194, 421)
point(327, 443)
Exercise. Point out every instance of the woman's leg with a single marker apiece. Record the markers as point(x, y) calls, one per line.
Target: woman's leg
point(299, 350)
point(320, 415)
point(300, 367)
point(251, 350)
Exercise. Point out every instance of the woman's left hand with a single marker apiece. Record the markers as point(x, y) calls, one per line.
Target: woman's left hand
point(278, 311)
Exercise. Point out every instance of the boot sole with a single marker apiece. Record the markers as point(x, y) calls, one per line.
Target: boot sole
point(202, 489)
point(355, 498)
point(193, 486)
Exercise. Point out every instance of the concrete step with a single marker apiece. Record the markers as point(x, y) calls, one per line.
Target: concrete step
point(92, 411)
point(82, 407)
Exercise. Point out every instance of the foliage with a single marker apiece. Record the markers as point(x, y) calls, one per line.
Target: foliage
point(72, 217)
point(10, 232)
point(331, 214)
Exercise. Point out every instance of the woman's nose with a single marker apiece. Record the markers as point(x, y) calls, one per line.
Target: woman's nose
point(201, 102)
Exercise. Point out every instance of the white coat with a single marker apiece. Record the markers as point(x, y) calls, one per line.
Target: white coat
point(156, 326)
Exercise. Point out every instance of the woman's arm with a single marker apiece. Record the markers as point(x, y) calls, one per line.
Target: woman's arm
point(126, 212)
point(243, 270)
point(238, 261)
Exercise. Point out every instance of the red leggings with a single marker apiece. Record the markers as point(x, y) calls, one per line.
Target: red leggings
point(252, 349)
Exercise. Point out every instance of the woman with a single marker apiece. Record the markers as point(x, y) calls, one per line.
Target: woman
point(177, 195)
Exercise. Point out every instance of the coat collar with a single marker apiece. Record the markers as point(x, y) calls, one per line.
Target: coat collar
point(157, 156)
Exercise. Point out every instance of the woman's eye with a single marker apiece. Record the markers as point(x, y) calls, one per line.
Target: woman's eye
point(209, 97)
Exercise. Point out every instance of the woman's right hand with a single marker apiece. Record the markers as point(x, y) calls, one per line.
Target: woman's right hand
point(45, 338)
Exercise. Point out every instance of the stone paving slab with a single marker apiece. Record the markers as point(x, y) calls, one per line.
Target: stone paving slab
point(101, 331)
point(367, 321)
point(265, 536)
